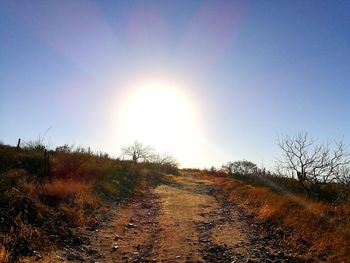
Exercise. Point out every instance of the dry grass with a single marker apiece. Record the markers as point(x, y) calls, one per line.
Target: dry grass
point(4, 255)
point(324, 227)
point(50, 197)
point(76, 199)
point(79, 166)
point(61, 188)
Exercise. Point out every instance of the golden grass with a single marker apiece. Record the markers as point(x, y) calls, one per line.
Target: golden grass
point(64, 188)
point(79, 198)
point(324, 226)
point(86, 199)
point(72, 190)
point(77, 166)
point(4, 255)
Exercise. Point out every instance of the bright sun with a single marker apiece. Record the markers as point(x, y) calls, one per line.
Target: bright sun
point(159, 113)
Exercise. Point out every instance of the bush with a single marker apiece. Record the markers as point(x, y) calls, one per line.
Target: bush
point(8, 181)
point(35, 207)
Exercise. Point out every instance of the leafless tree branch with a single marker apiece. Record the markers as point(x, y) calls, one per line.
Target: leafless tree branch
point(313, 163)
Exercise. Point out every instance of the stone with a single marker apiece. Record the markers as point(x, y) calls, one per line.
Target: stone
point(131, 225)
point(115, 247)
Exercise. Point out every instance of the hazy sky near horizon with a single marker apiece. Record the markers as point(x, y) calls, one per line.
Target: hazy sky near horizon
point(209, 81)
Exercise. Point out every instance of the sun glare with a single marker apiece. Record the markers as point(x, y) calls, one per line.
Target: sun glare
point(161, 114)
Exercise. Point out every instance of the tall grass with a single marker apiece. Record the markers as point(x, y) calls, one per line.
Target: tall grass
point(330, 192)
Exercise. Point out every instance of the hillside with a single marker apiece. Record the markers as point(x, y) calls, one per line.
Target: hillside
point(73, 205)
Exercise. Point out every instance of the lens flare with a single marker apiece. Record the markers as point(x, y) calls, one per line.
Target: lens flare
point(161, 114)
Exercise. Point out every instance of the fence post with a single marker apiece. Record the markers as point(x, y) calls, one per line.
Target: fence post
point(18, 144)
point(46, 162)
point(48, 168)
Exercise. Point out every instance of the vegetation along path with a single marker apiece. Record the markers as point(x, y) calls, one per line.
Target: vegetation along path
point(187, 219)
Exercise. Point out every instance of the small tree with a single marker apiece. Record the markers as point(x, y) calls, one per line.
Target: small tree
point(313, 163)
point(64, 149)
point(240, 167)
point(137, 151)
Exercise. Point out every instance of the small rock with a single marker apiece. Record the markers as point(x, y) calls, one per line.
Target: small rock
point(115, 247)
point(131, 225)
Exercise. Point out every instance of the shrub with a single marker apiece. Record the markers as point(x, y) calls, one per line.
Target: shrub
point(63, 189)
point(8, 181)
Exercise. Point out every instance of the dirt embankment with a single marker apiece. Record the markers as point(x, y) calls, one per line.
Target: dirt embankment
point(186, 219)
point(310, 230)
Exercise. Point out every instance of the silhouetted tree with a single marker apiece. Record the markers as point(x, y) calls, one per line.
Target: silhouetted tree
point(313, 163)
point(137, 151)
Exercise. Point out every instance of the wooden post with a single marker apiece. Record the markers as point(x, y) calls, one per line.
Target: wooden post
point(48, 163)
point(45, 163)
point(18, 144)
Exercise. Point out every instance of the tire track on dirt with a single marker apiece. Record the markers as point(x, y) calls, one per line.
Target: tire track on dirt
point(135, 231)
point(252, 247)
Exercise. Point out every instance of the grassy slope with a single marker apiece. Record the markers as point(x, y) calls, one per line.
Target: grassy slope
point(319, 229)
point(38, 210)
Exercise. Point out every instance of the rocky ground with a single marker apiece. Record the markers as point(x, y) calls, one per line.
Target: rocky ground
point(187, 219)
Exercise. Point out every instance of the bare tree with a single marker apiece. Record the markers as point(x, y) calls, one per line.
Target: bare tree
point(313, 163)
point(137, 151)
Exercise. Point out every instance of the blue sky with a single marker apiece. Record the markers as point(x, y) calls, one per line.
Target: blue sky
point(252, 70)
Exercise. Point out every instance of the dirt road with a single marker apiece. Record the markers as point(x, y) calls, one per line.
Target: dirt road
point(187, 219)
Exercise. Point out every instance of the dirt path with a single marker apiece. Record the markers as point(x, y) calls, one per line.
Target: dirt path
point(185, 220)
